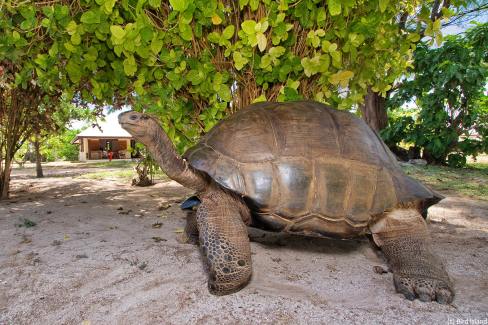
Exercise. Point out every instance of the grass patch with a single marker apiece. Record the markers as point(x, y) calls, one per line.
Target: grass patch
point(124, 175)
point(114, 164)
point(471, 181)
point(114, 175)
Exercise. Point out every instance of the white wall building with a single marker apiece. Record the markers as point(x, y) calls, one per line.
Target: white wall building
point(99, 143)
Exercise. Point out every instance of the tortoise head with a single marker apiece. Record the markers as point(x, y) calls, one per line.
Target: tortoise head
point(140, 125)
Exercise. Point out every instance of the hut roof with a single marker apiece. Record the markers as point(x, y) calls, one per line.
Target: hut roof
point(106, 130)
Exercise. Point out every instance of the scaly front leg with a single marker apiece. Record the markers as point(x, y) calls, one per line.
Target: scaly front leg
point(403, 236)
point(224, 241)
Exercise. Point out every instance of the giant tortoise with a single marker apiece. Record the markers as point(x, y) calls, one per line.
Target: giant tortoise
point(303, 168)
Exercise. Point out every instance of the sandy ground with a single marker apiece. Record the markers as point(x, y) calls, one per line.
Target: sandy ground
point(106, 253)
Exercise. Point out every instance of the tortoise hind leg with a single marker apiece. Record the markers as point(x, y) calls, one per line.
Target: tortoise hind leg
point(224, 241)
point(190, 234)
point(417, 273)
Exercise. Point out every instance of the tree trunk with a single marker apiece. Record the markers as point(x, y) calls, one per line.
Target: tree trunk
point(374, 110)
point(37, 148)
point(5, 178)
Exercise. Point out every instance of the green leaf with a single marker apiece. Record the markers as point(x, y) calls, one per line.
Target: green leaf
point(436, 26)
point(130, 66)
point(321, 14)
point(179, 5)
point(225, 93)
point(45, 22)
point(334, 7)
point(75, 39)
point(108, 6)
point(336, 59)
point(196, 77)
point(91, 54)
point(155, 3)
point(42, 61)
point(239, 60)
point(53, 51)
point(228, 32)
point(69, 47)
point(159, 74)
point(146, 34)
point(254, 4)
point(261, 27)
point(156, 45)
point(383, 5)
point(341, 78)
point(186, 32)
point(413, 37)
point(213, 37)
point(118, 34)
point(277, 51)
point(90, 17)
point(74, 71)
point(248, 26)
point(262, 41)
point(259, 99)
point(72, 27)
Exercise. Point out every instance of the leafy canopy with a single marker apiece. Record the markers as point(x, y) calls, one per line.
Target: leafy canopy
point(192, 62)
point(450, 117)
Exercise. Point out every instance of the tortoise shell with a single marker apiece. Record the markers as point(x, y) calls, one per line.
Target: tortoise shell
point(306, 168)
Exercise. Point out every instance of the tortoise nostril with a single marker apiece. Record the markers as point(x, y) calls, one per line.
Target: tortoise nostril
point(133, 117)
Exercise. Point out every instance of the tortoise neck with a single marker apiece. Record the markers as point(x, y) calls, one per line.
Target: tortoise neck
point(175, 167)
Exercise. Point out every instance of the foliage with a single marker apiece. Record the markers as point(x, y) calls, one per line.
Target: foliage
point(192, 62)
point(145, 168)
point(59, 147)
point(449, 120)
point(56, 141)
point(54, 135)
point(20, 114)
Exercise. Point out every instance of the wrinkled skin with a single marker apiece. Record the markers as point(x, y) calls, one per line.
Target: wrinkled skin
point(417, 273)
point(221, 218)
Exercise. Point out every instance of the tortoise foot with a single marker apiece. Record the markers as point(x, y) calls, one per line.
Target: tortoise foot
point(425, 289)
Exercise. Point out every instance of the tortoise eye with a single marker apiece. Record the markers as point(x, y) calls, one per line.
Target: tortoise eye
point(133, 117)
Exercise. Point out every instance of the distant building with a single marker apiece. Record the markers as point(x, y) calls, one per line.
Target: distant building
point(99, 143)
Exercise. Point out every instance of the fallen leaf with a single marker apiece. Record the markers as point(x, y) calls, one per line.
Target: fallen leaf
point(164, 206)
point(158, 239)
point(157, 225)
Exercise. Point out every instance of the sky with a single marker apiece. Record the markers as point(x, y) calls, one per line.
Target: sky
point(110, 118)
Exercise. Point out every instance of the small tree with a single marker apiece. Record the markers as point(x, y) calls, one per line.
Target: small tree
point(19, 118)
point(449, 120)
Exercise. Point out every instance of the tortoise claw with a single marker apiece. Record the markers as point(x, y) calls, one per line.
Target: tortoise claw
point(425, 289)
